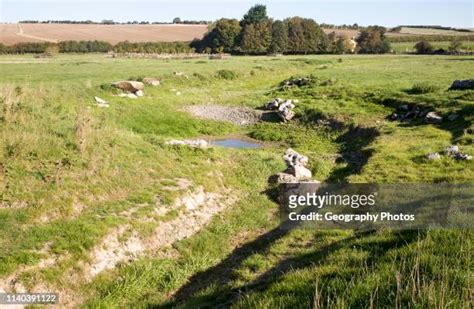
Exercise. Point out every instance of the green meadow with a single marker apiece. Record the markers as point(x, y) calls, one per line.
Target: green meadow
point(72, 172)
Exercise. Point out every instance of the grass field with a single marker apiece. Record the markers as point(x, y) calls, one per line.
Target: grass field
point(73, 174)
point(408, 47)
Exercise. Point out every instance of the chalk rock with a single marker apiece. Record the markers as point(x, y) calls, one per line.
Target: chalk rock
point(100, 102)
point(139, 93)
point(152, 81)
point(282, 178)
point(299, 172)
point(433, 117)
point(129, 85)
point(131, 96)
point(181, 74)
point(293, 158)
point(452, 150)
point(433, 156)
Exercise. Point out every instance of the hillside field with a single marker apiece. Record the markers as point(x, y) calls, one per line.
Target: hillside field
point(92, 198)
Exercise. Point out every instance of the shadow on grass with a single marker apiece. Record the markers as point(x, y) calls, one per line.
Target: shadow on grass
point(457, 127)
point(220, 275)
point(353, 151)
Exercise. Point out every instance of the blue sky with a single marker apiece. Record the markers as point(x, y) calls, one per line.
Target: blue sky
point(456, 13)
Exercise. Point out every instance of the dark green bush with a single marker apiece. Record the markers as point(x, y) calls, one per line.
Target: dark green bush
point(422, 88)
point(227, 74)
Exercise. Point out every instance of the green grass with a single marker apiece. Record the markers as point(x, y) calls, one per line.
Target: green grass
point(409, 47)
point(70, 170)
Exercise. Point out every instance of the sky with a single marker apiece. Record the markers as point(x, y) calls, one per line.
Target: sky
point(454, 13)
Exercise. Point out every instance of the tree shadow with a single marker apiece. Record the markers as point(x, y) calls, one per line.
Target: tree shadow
point(221, 274)
point(353, 151)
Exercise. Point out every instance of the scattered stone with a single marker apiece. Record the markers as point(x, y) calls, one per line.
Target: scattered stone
point(178, 93)
point(180, 74)
point(433, 117)
point(462, 156)
point(152, 81)
point(433, 156)
point(406, 113)
point(453, 117)
point(299, 172)
point(462, 84)
point(283, 108)
point(296, 165)
point(100, 102)
point(282, 178)
point(273, 105)
point(285, 111)
point(199, 143)
point(292, 158)
point(297, 82)
point(131, 96)
point(130, 86)
point(452, 150)
point(296, 171)
point(139, 93)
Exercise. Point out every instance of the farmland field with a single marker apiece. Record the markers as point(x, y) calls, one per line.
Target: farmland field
point(16, 33)
point(83, 185)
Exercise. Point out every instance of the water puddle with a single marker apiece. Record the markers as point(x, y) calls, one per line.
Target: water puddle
point(235, 143)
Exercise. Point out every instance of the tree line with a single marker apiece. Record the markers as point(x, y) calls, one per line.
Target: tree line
point(98, 47)
point(254, 34)
point(257, 34)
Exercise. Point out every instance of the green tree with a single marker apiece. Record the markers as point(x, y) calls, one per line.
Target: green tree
point(255, 14)
point(176, 20)
point(256, 38)
point(279, 41)
point(295, 35)
point(222, 37)
point(373, 41)
point(424, 47)
point(315, 40)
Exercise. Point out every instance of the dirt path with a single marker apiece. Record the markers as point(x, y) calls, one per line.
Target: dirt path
point(23, 34)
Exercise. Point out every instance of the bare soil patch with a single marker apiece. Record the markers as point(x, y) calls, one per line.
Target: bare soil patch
point(236, 115)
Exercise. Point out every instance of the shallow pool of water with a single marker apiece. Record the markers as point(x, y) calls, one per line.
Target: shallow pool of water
point(235, 143)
